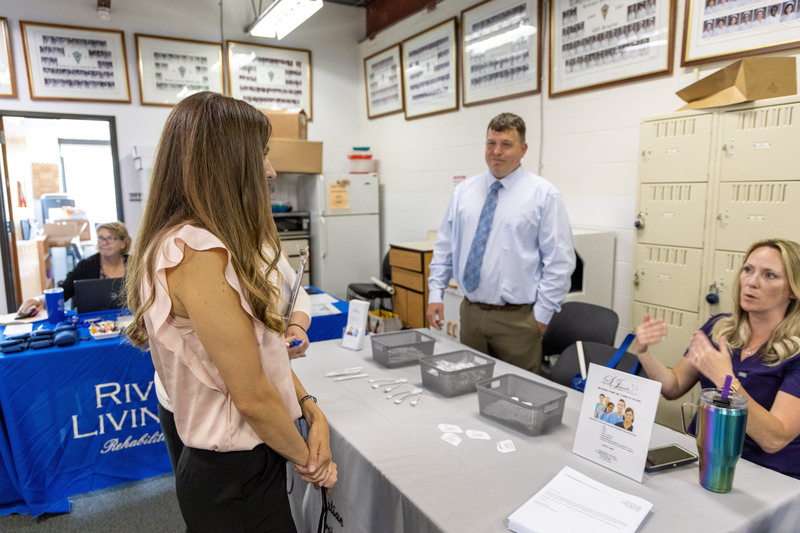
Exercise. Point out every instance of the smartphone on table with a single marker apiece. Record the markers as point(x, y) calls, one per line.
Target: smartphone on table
point(669, 456)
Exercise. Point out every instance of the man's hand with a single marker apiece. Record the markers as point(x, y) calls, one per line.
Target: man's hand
point(542, 327)
point(435, 315)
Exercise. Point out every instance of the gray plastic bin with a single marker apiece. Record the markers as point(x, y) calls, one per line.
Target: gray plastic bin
point(401, 348)
point(457, 381)
point(538, 409)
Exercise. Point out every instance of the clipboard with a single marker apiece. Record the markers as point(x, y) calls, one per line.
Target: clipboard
point(297, 283)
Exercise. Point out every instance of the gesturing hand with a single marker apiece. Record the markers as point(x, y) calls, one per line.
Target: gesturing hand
point(649, 332)
point(712, 363)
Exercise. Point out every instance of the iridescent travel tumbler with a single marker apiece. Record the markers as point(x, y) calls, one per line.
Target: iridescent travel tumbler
point(720, 434)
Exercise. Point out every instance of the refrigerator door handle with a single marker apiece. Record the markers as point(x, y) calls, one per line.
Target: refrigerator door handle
point(323, 233)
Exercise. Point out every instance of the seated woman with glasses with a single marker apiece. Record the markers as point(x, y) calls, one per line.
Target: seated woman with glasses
point(113, 243)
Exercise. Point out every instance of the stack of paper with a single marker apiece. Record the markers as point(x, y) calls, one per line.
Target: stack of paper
point(574, 502)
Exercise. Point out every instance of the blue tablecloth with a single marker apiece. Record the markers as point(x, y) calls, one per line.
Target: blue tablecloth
point(76, 419)
point(85, 417)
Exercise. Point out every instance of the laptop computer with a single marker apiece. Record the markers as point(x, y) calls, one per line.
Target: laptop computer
point(98, 294)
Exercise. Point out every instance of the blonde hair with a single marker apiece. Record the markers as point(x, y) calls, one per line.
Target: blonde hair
point(784, 341)
point(118, 230)
point(209, 172)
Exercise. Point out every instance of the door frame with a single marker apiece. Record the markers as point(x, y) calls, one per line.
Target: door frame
point(8, 237)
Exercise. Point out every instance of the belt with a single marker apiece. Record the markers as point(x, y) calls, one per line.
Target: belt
point(489, 307)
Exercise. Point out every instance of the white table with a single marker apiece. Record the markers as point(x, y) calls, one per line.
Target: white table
point(396, 474)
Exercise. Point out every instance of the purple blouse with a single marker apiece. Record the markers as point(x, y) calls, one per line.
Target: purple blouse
point(762, 383)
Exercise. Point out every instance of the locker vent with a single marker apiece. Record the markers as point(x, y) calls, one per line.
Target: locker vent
point(772, 193)
point(667, 256)
point(733, 261)
point(671, 193)
point(769, 117)
point(672, 317)
point(682, 127)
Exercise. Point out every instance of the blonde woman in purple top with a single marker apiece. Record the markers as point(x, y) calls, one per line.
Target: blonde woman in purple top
point(758, 345)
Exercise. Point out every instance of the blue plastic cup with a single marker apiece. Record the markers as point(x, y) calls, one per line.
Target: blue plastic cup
point(54, 302)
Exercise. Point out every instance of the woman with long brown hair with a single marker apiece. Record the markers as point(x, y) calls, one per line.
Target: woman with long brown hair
point(203, 288)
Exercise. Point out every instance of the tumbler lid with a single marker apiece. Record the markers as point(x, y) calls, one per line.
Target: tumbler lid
point(714, 398)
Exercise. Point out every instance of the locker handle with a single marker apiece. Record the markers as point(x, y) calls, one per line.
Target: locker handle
point(638, 222)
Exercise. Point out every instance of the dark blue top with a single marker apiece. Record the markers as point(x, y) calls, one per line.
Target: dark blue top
point(762, 383)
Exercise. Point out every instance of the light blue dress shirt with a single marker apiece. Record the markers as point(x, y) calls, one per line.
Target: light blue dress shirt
point(529, 255)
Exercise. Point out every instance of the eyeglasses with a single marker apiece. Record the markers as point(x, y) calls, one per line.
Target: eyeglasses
point(107, 240)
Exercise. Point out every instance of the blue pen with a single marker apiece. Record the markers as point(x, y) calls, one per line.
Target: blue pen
point(294, 343)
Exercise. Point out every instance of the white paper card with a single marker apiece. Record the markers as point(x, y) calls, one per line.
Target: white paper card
point(618, 434)
point(356, 329)
point(574, 502)
point(506, 446)
point(449, 438)
point(477, 434)
point(17, 329)
point(450, 428)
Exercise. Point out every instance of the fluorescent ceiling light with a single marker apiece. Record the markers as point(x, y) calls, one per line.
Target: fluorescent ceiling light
point(282, 17)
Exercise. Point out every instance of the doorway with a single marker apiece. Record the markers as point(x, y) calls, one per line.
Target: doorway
point(54, 167)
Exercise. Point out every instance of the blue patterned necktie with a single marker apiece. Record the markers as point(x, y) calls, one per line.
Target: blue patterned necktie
point(472, 271)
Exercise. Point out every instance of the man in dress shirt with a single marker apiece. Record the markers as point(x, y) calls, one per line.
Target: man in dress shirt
point(528, 256)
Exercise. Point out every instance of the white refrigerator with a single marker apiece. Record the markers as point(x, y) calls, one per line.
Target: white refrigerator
point(345, 231)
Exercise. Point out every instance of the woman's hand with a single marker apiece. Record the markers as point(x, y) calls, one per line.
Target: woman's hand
point(29, 303)
point(649, 332)
point(319, 452)
point(331, 477)
point(712, 363)
point(296, 334)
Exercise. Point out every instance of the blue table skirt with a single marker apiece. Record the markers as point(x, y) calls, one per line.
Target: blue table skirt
point(85, 417)
point(76, 419)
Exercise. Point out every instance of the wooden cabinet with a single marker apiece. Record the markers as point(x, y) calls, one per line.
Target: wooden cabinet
point(410, 270)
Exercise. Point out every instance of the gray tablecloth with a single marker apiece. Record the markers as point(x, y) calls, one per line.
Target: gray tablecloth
point(396, 474)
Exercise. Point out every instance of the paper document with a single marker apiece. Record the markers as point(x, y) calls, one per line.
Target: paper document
point(321, 298)
point(323, 308)
point(17, 329)
point(574, 502)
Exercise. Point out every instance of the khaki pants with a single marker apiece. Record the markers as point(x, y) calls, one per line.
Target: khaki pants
point(510, 335)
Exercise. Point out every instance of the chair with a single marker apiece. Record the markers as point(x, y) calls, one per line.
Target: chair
point(566, 366)
point(578, 321)
point(371, 292)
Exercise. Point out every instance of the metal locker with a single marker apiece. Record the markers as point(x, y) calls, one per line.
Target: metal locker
point(761, 143)
point(681, 326)
point(756, 210)
point(726, 267)
point(675, 149)
point(668, 276)
point(672, 213)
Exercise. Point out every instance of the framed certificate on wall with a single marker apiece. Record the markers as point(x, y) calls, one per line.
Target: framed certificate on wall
point(500, 50)
point(595, 44)
point(726, 29)
point(384, 83)
point(8, 87)
point(74, 63)
point(172, 69)
point(430, 71)
point(270, 76)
